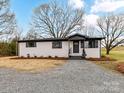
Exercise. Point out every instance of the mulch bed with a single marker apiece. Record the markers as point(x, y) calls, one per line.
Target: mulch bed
point(53, 58)
point(103, 58)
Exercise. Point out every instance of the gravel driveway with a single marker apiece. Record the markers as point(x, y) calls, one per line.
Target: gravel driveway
point(76, 76)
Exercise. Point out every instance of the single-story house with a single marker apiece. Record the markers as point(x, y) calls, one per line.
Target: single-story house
point(74, 45)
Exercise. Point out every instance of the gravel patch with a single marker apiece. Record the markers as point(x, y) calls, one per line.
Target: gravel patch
point(76, 76)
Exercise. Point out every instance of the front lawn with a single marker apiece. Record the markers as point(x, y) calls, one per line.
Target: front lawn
point(31, 65)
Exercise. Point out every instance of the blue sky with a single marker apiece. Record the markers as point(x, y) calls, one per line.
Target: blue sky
point(93, 9)
point(23, 11)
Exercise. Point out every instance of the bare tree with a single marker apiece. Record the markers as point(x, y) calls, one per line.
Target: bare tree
point(7, 20)
point(112, 28)
point(89, 30)
point(53, 20)
point(32, 34)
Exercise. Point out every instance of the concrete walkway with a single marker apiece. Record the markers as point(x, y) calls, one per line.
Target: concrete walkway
point(76, 76)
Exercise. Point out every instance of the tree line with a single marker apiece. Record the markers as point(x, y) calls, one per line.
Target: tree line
point(54, 20)
point(9, 33)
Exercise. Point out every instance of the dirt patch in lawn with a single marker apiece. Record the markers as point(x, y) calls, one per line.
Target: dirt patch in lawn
point(114, 61)
point(111, 65)
point(31, 65)
point(107, 64)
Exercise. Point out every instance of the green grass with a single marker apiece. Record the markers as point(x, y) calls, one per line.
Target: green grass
point(117, 53)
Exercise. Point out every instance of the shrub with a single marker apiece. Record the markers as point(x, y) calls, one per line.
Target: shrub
point(35, 56)
point(49, 57)
point(28, 55)
point(120, 67)
point(56, 56)
point(22, 57)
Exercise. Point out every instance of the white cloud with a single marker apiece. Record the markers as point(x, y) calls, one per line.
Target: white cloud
point(91, 20)
point(107, 5)
point(77, 4)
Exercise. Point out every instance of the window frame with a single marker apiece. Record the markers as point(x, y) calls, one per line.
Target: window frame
point(96, 44)
point(86, 44)
point(93, 44)
point(32, 46)
point(55, 42)
point(82, 44)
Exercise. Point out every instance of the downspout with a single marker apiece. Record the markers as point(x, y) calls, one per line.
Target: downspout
point(68, 48)
point(17, 54)
point(84, 52)
point(100, 49)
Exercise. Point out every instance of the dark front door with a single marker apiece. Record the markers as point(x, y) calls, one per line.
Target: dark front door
point(75, 46)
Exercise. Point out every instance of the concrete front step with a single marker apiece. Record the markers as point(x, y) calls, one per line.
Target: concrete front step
point(76, 58)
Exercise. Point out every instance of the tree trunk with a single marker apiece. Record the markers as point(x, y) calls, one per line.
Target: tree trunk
point(107, 51)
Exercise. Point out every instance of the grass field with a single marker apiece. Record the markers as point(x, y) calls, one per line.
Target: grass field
point(117, 53)
point(32, 65)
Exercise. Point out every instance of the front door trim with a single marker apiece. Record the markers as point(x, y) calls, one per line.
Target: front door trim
point(75, 46)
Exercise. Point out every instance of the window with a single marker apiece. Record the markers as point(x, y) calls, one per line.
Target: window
point(30, 44)
point(96, 43)
point(86, 44)
point(57, 44)
point(82, 44)
point(93, 44)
